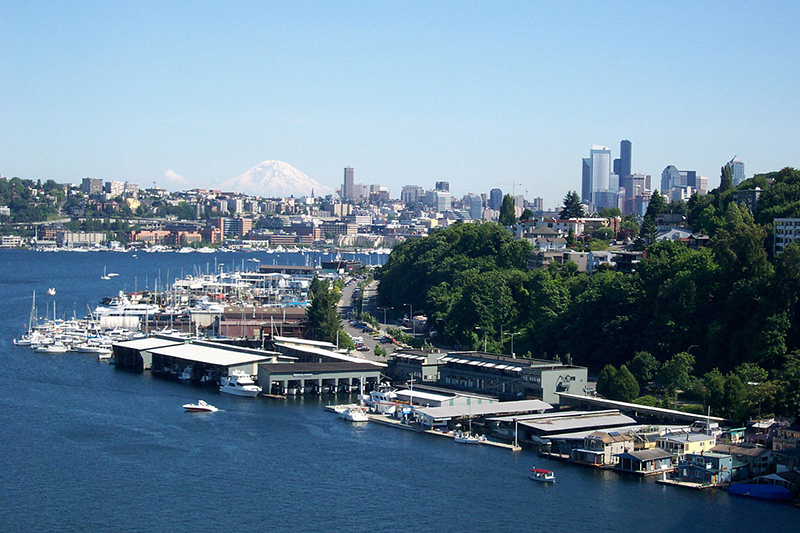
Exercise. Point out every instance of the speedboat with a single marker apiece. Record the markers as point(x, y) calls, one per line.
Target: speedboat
point(542, 475)
point(353, 413)
point(200, 407)
point(239, 384)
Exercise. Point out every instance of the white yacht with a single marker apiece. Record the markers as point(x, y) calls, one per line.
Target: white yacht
point(383, 400)
point(121, 305)
point(239, 384)
point(353, 413)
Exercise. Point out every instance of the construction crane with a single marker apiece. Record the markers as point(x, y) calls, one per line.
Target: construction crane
point(513, 187)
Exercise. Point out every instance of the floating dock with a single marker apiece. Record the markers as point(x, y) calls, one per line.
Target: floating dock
point(417, 428)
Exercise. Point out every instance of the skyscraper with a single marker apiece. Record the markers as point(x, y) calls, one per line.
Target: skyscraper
point(586, 180)
point(495, 199)
point(624, 169)
point(347, 187)
point(737, 170)
point(601, 167)
point(443, 186)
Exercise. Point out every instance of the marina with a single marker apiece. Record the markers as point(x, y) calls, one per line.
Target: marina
point(125, 436)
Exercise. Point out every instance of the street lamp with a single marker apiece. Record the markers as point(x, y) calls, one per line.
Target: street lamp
point(484, 337)
point(512, 342)
point(413, 324)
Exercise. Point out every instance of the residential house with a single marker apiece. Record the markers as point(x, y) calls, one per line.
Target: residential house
point(787, 437)
point(707, 468)
point(601, 448)
point(681, 444)
point(644, 462)
point(755, 459)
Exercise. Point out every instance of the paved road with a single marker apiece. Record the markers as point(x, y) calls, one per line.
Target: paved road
point(370, 306)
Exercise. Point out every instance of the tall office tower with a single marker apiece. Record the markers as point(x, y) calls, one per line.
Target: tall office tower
point(538, 204)
point(689, 178)
point(443, 186)
point(495, 199)
point(737, 169)
point(586, 180)
point(347, 186)
point(670, 178)
point(601, 167)
point(475, 206)
point(624, 168)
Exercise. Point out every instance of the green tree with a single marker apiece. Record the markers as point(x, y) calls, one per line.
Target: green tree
point(726, 179)
point(735, 394)
point(572, 207)
point(323, 315)
point(605, 381)
point(508, 214)
point(624, 386)
point(715, 391)
point(675, 373)
point(643, 366)
point(527, 214)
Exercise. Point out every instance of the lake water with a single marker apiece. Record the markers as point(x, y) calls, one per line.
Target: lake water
point(87, 447)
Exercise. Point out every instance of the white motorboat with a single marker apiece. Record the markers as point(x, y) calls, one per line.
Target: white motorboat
point(353, 413)
point(55, 347)
point(542, 475)
point(239, 384)
point(200, 407)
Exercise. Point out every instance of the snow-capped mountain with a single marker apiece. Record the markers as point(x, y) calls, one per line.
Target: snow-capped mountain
point(275, 179)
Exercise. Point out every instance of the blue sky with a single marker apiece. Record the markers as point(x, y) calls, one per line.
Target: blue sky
point(480, 94)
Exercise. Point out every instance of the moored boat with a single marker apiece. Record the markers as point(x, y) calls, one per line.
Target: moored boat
point(239, 384)
point(353, 413)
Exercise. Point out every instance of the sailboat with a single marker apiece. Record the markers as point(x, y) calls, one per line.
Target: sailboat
point(31, 337)
point(105, 276)
point(469, 438)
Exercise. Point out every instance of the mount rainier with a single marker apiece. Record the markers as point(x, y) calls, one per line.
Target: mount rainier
point(275, 179)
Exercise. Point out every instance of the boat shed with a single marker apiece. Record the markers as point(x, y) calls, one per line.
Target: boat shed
point(438, 416)
point(136, 355)
point(641, 412)
point(312, 354)
point(210, 360)
point(541, 428)
point(279, 378)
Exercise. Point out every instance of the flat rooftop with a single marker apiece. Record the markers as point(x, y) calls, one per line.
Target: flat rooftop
point(484, 409)
point(211, 355)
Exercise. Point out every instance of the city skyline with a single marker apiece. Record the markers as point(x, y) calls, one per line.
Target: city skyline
point(192, 95)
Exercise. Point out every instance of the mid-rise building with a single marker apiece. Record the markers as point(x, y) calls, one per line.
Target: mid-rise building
point(787, 231)
point(91, 186)
point(412, 194)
